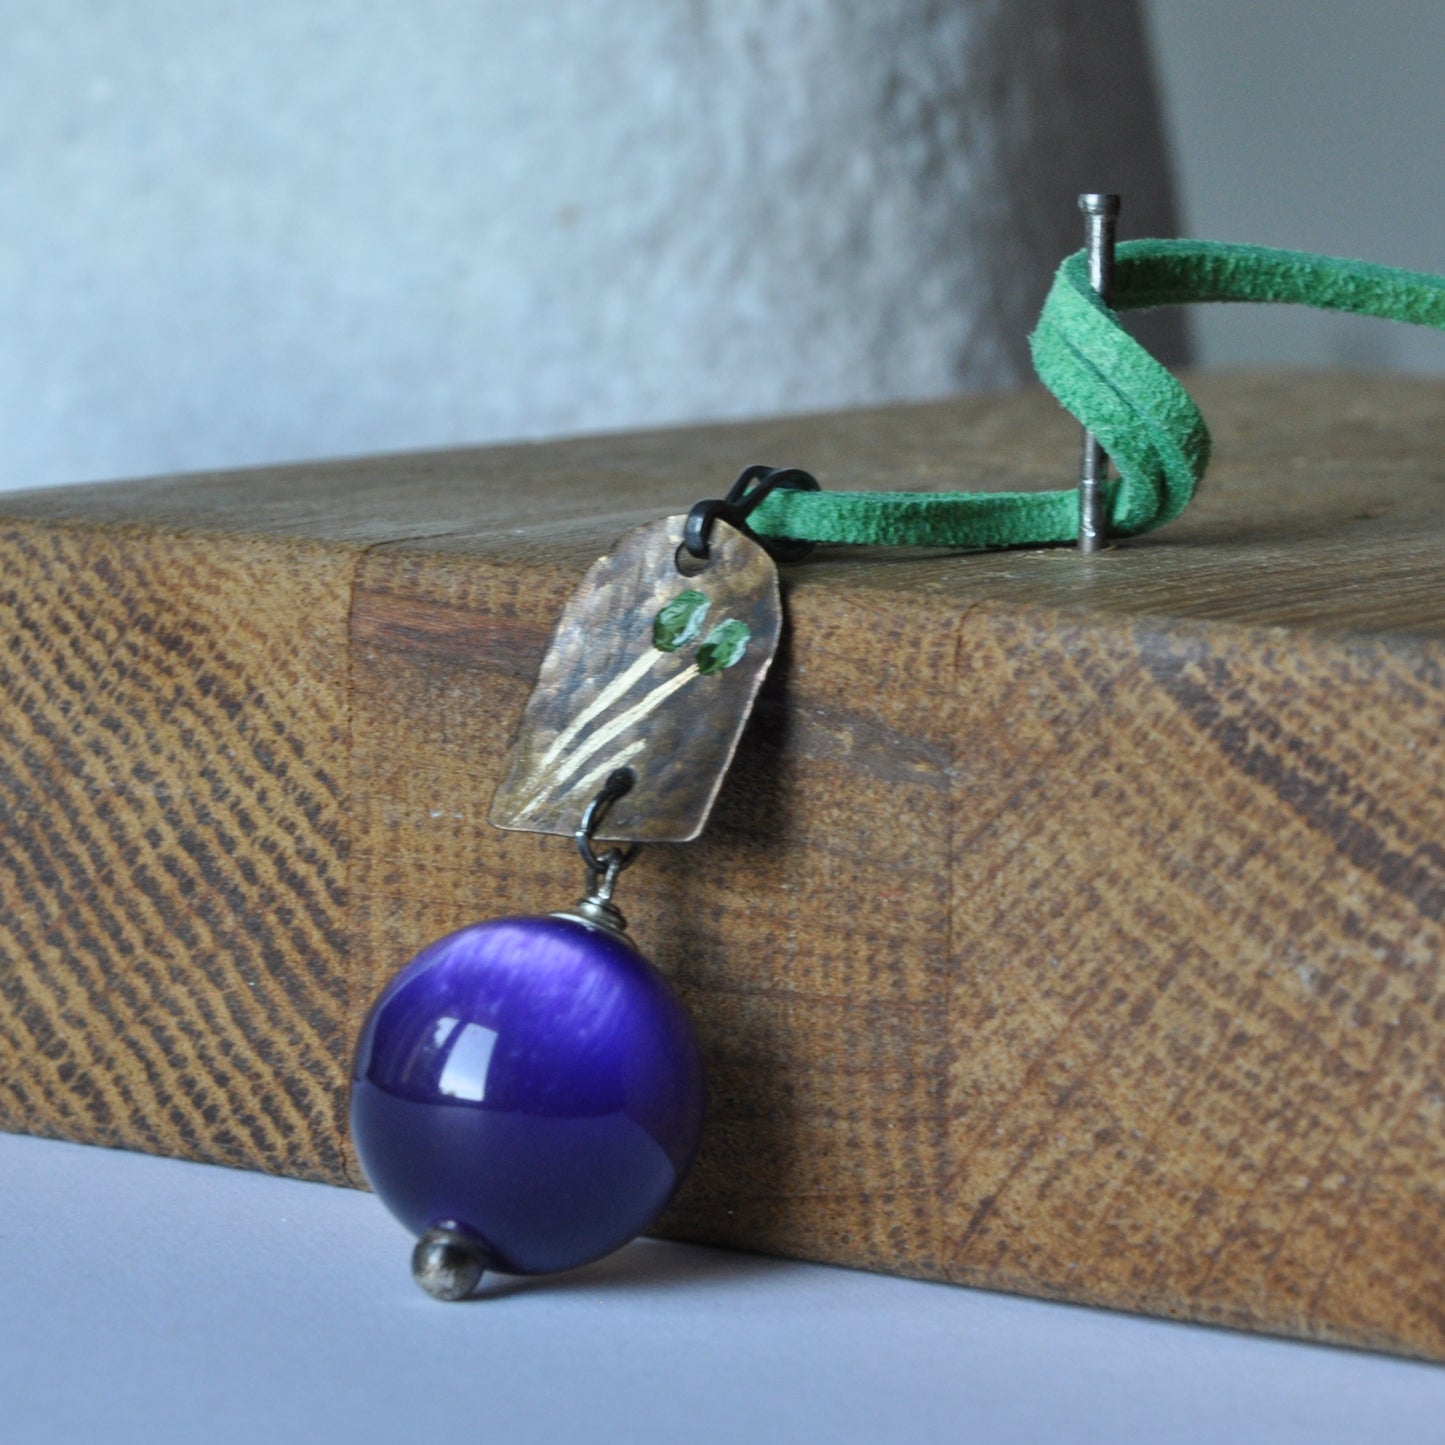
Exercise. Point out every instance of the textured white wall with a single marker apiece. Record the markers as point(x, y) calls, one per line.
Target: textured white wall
point(1314, 124)
point(233, 233)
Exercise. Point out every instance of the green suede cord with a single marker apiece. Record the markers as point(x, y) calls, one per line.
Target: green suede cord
point(1142, 416)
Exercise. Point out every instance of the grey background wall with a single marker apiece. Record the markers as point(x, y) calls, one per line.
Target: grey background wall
point(1315, 124)
point(242, 233)
point(238, 233)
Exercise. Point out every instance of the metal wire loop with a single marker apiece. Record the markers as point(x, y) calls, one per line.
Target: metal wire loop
point(751, 489)
point(605, 866)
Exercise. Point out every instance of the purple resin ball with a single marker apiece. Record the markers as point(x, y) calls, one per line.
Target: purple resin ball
point(533, 1082)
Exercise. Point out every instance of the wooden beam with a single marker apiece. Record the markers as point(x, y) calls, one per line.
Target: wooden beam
point(1069, 925)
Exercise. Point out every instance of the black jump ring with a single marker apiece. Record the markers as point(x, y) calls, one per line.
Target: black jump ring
point(753, 486)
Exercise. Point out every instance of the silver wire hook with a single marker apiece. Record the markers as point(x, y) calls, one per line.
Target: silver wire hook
point(605, 866)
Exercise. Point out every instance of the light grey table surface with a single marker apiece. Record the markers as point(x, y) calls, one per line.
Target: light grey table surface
point(147, 1299)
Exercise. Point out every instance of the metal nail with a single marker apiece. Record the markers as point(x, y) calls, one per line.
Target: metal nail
point(1100, 214)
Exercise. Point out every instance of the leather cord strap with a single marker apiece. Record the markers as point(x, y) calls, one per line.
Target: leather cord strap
point(1143, 417)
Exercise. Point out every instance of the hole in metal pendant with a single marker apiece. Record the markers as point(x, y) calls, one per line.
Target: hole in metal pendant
point(689, 565)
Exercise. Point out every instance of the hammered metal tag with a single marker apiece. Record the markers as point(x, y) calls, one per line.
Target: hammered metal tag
point(649, 670)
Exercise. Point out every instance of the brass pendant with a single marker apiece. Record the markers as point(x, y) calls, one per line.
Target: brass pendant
point(654, 667)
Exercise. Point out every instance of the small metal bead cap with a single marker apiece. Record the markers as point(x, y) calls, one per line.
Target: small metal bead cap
point(447, 1264)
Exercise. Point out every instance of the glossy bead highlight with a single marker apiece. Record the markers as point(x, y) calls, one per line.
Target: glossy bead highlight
point(533, 1083)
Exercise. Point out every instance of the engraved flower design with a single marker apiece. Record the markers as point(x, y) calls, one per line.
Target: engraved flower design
point(677, 626)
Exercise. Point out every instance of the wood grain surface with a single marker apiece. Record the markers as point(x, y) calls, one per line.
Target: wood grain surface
point(1068, 925)
point(173, 781)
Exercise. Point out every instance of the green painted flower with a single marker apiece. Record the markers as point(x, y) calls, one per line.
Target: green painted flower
point(723, 646)
point(680, 621)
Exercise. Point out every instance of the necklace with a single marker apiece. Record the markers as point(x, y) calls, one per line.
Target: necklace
point(528, 1093)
